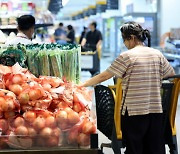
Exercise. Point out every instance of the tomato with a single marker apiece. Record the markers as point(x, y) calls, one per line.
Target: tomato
point(15, 88)
point(21, 130)
point(19, 121)
point(29, 116)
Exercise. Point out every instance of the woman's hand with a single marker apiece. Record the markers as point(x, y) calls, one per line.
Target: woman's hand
point(97, 79)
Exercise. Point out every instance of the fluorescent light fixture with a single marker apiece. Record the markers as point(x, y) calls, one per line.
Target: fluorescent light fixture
point(64, 2)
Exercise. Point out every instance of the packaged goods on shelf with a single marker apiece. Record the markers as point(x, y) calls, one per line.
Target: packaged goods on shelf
point(41, 112)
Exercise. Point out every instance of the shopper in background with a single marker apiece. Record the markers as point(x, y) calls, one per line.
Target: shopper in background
point(141, 69)
point(26, 24)
point(93, 39)
point(70, 34)
point(83, 34)
point(60, 34)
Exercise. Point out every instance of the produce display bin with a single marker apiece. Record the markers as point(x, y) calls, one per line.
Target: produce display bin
point(90, 61)
point(93, 149)
point(110, 98)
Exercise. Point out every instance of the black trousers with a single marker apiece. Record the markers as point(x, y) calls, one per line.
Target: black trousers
point(142, 134)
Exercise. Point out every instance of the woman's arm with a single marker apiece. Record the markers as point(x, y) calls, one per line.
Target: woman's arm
point(98, 79)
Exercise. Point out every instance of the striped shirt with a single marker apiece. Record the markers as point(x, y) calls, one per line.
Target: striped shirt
point(142, 70)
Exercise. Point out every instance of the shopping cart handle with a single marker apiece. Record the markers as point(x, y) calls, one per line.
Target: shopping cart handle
point(172, 77)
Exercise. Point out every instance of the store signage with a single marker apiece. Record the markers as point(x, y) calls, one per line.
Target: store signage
point(112, 4)
point(101, 8)
point(54, 6)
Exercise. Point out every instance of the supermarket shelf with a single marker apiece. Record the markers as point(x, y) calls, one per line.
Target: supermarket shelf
point(4, 27)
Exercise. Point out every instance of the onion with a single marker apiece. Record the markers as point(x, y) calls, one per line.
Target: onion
point(15, 88)
point(77, 107)
point(55, 82)
point(52, 141)
point(29, 116)
point(73, 117)
point(64, 126)
point(10, 104)
point(23, 98)
point(9, 114)
point(35, 94)
point(19, 121)
point(72, 137)
point(83, 139)
point(39, 123)
point(89, 128)
point(46, 86)
point(17, 79)
point(50, 121)
point(3, 104)
point(56, 132)
point(3, 125)
point(40, 142)
point(61, 116)
point(21, 130)
point(46, 132)
point(32, 132)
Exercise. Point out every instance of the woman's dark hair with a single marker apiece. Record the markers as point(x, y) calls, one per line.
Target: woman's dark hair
point(133, 28)
point(25, 22)
point(70, 27)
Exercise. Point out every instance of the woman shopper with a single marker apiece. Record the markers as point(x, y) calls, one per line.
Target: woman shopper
point(141, 69)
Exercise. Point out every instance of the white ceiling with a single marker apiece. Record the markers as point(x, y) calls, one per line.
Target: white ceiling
point(74, 6)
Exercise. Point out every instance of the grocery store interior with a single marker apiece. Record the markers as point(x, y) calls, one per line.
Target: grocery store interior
point(58, 58)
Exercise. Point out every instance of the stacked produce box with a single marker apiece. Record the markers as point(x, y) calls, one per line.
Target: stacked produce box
point(42, 110)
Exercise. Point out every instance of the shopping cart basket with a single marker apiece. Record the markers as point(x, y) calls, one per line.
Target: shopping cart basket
point(90, 60)
point(109, 119)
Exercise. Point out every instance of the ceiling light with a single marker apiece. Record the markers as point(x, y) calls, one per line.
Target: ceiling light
point(64, 2)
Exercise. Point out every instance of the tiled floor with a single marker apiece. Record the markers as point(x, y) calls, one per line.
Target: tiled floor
point(105, 62)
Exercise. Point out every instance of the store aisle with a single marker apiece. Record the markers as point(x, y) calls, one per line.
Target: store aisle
point(105, 62)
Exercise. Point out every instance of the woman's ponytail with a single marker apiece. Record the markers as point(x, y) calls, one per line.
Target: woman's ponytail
point(148, 36)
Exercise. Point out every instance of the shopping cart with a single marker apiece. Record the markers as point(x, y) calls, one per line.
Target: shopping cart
point(90, 61)
point(108, 102)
